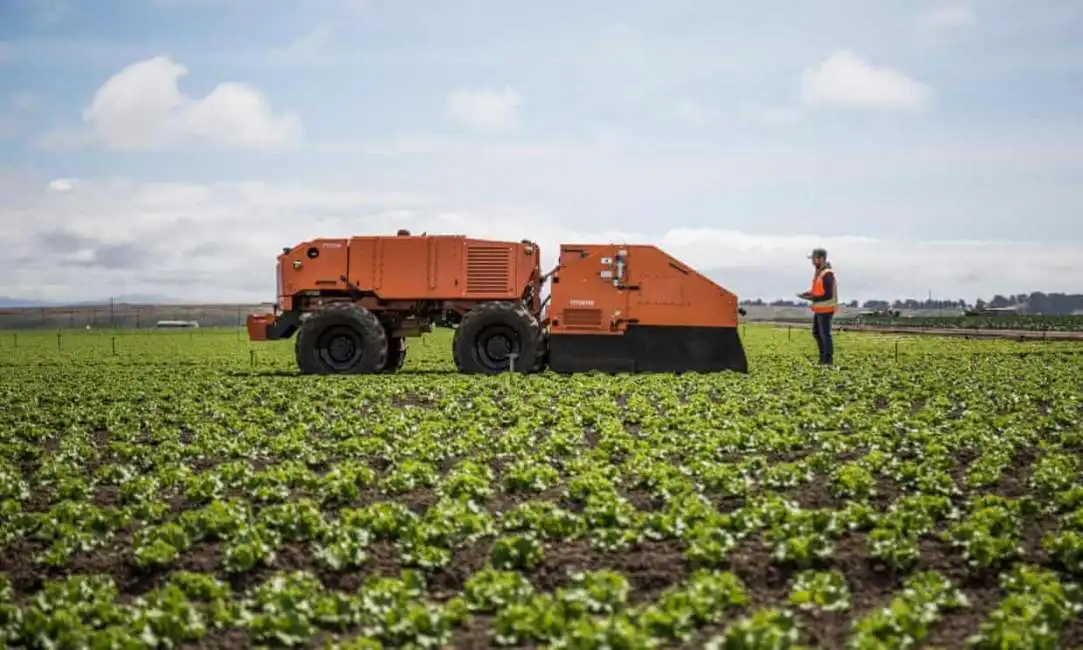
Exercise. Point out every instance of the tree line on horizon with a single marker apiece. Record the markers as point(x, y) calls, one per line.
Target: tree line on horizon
point(1037, 302)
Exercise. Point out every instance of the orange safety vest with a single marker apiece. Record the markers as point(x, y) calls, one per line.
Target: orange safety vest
point(827, 306)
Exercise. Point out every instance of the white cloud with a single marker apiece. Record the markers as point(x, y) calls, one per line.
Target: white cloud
point(844, 80)
point(141, 107)
point(695, 114)
point(775, 116)
point(93, 237)
point(771, 115)
point(486, 108)
point(950, 16)
point(422, 144)
point(62, 185)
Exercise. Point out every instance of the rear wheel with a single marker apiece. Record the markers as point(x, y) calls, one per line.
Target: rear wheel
point(491, 333)
point(396, 354)
point(342, 338)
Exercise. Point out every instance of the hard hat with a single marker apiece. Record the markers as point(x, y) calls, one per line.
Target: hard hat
point(818, 252)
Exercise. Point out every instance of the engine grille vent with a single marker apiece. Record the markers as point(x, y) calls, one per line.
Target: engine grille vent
point(586, 319)
point(488, 269)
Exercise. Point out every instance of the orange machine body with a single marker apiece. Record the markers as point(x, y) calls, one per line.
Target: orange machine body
point(408, 281)
point(611, 307)
point(601, 289)
point(635, 307)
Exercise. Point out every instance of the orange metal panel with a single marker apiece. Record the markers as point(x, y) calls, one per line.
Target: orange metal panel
point(445, 266)
point(403, 269)
point(257, 325)
point(363, 268)
point(675, 294)
point(315, 265)
point(410, 268)
point(652, 288)
point(584, 299)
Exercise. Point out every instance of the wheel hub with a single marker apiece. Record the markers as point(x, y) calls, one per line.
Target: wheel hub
point(498, 347)
point(495, 345)
point(341, 347)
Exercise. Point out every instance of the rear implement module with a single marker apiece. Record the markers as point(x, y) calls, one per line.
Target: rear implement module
point(352, 303)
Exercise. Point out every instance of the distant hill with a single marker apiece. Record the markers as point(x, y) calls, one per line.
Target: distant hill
point(126, 312)
point(130, 299)
point(17, 303)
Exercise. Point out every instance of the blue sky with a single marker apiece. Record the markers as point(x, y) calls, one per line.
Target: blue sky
point(170, 146)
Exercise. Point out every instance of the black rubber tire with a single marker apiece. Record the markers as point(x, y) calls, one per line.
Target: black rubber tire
point(354, 328)
point(487, 321)
point(396, 353)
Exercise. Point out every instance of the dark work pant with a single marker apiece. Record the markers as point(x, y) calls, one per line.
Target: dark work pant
point(821, 331)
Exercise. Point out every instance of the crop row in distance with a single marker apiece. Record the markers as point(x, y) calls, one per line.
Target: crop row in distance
point(177, 492)
point(1040, 323)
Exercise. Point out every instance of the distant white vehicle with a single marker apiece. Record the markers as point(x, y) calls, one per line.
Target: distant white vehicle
point(175, 324)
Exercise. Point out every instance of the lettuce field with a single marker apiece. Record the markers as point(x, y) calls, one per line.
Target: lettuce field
point(188, 489)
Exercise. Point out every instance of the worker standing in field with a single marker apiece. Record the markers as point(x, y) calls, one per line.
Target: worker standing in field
point(825, 300)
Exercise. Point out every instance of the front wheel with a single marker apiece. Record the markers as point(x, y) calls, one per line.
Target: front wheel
point(396, 354)
point(342, 338)
point(491, 333)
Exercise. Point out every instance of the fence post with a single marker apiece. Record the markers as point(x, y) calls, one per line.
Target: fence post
point(59, 336)
point(896, 350)
point(114, 346)
point(252, 358)
point(511, 367)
